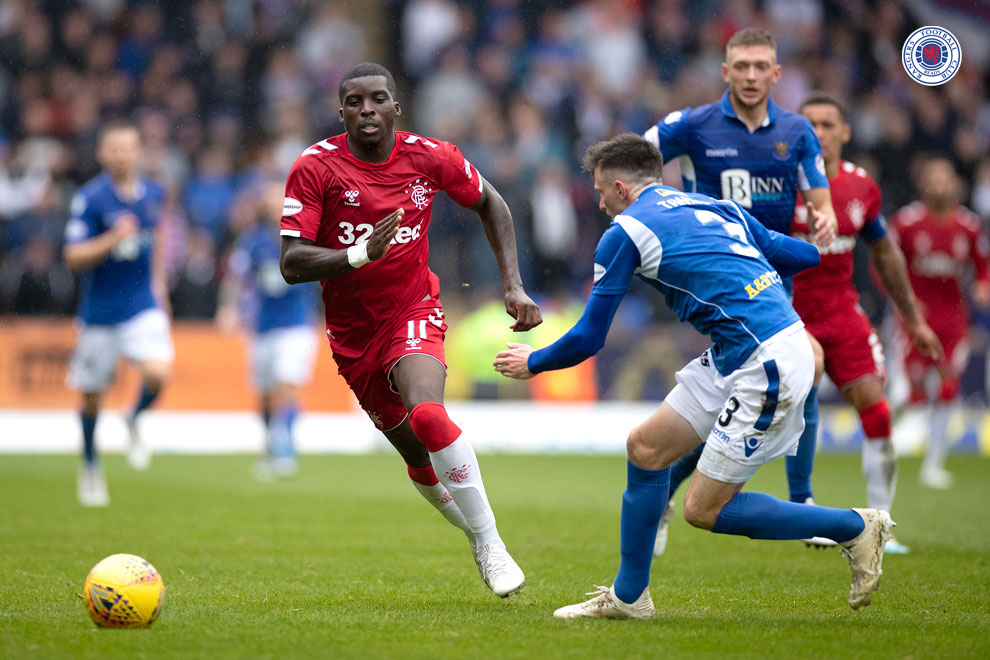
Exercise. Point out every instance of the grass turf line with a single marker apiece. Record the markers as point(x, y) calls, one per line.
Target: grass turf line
point(346, 560)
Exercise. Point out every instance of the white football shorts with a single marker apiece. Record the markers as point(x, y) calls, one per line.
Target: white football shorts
point(283, 355)
point(145, 336)
point(755, 414)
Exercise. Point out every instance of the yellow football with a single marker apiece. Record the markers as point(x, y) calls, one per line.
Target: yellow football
point(124, 591)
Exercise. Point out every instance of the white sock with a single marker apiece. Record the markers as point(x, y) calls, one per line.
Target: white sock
point(880, 470)
point(457, 468)
point(938, 440)
point(440, 498)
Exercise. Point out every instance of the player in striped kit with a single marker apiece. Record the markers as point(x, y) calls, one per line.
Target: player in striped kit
point(941, 240)
point(827, 301)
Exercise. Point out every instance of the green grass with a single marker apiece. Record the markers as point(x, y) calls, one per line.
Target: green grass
point(345, 561)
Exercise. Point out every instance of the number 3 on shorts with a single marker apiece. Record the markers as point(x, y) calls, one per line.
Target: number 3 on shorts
point(730, 407)
point(770, 399)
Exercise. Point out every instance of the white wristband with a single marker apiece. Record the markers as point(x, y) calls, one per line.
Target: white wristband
point(357, 255)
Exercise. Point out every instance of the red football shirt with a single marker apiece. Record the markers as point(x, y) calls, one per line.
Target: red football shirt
point(827, 289)
point(938, 253)
point(335, 200)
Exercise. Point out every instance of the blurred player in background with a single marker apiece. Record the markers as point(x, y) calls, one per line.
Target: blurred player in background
point(828, 302)
point(283, 346)
point(747, 149)
point(941, 239)
point(356, 215)
point(720, 270)
point(112, 238)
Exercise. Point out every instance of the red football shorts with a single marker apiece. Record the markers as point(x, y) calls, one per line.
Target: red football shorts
point(852, 349)
point(955, 344)
point(419, 331)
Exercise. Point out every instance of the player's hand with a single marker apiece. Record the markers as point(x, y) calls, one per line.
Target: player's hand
point(125, 226)
point(823, 230)
point(926, 341)
point(513, 363)
point(522, 308)
point(385, 230)
point(981, 295)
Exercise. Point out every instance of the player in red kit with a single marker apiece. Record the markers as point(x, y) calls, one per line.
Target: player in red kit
point(356, 214)
point(828, 303)
point(941, 239)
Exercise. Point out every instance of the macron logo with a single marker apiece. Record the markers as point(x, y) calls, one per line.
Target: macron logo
point(291, 206)
point(723, 152)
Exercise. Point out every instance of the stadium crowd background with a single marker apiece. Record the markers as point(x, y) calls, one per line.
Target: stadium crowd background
point(227, 94)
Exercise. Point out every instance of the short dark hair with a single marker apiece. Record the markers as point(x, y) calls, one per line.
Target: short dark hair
point(751, 37)
point(628, 153)
point(824, 98)
point(116, 125)
point(367, 69)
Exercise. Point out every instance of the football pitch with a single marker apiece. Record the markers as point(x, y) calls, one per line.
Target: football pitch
point(347, 561)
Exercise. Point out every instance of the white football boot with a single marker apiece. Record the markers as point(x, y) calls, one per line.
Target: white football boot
point(498, 569)
point(91, 487)
point(817, 542)
point(138, 453)
point(660, 544)
point(935, 477)
point(865, 554)
point(285, 466)
point(606, 605)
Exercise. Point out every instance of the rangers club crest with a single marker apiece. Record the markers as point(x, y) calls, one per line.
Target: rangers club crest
point(931, 55)
point(457, 475)
point(420, 193)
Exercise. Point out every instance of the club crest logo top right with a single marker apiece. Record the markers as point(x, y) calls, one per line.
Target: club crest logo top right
point(931, 55)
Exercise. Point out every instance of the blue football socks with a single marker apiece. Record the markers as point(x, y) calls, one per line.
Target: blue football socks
point(800, 466)
point(762, 516)
point(281, 431)
point(146, 399)
point(643, 502)
point(89, 435)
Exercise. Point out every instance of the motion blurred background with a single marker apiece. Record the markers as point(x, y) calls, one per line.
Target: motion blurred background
point(228, 92)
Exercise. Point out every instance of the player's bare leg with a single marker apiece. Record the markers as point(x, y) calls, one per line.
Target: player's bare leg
point(420, 382)
point(155, 374)
point(91, 486)
point(879, 458)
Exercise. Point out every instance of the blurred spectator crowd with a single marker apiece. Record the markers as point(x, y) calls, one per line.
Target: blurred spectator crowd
point(228, 92)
